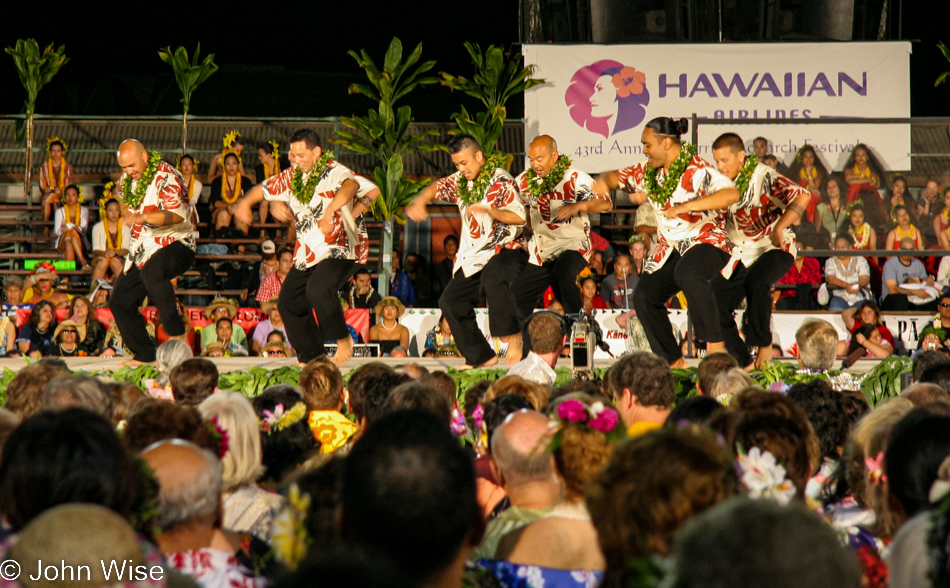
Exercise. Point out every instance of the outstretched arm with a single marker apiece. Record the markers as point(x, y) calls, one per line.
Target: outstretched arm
point(719, 200)
point(243, 209)
point(417, 210)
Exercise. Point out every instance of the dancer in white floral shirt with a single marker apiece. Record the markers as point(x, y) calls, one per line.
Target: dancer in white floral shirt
point(331, 242)
point(492, 216)
point(161, 248)
point(689, 197)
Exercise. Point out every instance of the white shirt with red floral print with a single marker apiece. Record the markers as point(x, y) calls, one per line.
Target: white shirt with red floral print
point(166, 192)
point(682, 233)
point(313, 246)
point(483, 236)
point(552, 237)
point(752, 218)
point(214, 568)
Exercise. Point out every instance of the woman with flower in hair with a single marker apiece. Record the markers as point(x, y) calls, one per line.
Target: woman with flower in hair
point(232, 143)
point(286, 439)
point(903, 229)
point(110, 240)
point(55, 175)
point(72, 221)
point(562, 548)
point(899, 195)
point(810, 172)
point(591, 298)
point(225, 191)
point(863, 173)
point(608, 97)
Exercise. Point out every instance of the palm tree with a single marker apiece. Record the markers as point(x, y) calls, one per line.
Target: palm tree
point(497, 79)
point(189, 75)
point(36, 70)
point(383, 134)
point(946, 53)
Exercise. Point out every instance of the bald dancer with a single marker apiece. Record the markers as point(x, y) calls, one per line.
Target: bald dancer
point(156, 210)
point(558, 198)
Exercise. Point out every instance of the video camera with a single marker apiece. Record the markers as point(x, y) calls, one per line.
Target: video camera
point(585, 336)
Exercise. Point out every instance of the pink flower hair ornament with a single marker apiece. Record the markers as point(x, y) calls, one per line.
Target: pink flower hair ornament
point(596, 416)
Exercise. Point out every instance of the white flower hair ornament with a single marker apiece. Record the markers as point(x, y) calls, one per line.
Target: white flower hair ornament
point(761, 476)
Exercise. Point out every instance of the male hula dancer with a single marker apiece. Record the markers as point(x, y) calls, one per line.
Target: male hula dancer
point(758, 226)
point(317, 189)
point(558, 198)
point(689, 198)
point(161, 246)
point(492, 217)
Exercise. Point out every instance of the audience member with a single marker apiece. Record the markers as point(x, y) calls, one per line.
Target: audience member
point(224, 329)
point(25, 390)
point(546, 333)
point(222, 308)
point(442, 271)
point(79, 391)
point(903, 278)
point(388, 333)
point(264, 328)
point(321, 386)
point(271, 285)
point(698, 409)
point(729, 383)
point(536, 394)
point(193, 380)
point(286, 439)
point(66, 340)
point(642, 387)
point(71, 227)
point(375, 393)
point(709, 368)
point(617, 288)
point(847, 277)
point(82, 313)
point(417, 270)
point(35, 338)
point(415, 395)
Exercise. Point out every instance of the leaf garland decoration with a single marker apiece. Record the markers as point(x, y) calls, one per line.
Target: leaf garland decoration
point(539, 186)
point(661, 194)
point(470, 196)
point(745, 174)
point(303, 191)
point(133, 198)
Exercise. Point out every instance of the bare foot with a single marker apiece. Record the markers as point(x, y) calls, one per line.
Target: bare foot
point(514, 352)
point(491, 362)
point(679, 364)
point(344, 351)
point(135, 363)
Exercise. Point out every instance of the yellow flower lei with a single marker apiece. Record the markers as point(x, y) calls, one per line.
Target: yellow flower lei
point(865, 174)
point(114, 246)
point(900, 232)
point(289, 537)
point(232, 198)
point(862, 236)
point(806, 176)
point(61, 182)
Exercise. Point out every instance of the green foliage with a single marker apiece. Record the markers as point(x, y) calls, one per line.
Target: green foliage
point(946, 53)
point(883, 381)
point(188, 73)
point(36, 70)
point(497, 79)
point(253, 381)
point(135, 375)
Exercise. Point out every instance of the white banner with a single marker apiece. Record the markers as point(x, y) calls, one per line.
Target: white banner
point(597, 98)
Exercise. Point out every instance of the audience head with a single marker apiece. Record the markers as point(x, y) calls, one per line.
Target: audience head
point(711, 366)
point(924, 360)
point(640, 379)
point(70, 455)
point(917, 446)
point(193, 380)
point(286, 439)
point(518, 448)
point(698, 409)
point(154, 420)
point(746, 543)
point(25, 390)
point(356, 386)
point(77, 390)
point(588, 432)
point(416, 395)
point(785, 439)
point(817, 344)
point(546, 333)
point(938, 373)
point(376, 391)
point(500, 408)
point(729, 383)
point(168, 356)
point(232, 413)
point(826, 413)
point(189, 480)
point(409, 458)
point(536, 394)
point(321, 384)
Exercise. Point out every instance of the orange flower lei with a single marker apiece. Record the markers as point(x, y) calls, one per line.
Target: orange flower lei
point(61, 182)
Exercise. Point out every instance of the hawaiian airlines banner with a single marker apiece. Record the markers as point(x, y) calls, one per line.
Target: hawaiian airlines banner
point(598, 97)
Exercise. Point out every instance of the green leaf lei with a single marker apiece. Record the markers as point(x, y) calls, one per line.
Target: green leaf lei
point(304, 191)
point(745, 174)
point(470, 196)
point(539, 186)
point(659, 194)
point(133, 198)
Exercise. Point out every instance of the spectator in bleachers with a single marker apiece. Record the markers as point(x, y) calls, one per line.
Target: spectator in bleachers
point(903, 229)
point(232, 143)
point(440, 340)
point(847, 277)
point(442, 271)
point(771, 161)
point(941, 224)
point(644, 226)
point(271, 285)
point(899, 195)
point(100, 293)
point(193, 187)
point(760, 146)
point(897, 292)
point(863, 173)
point(866, 313)
point(388, 333)
point(830, 212)
point(110, 242)
point(928, 204)
point(272, 323)
point(400, 285)
point(224, 328)
point(55, 175)
point(866, 342)
point(225, 190)
point(810, 172)
point(82, 312)
point(67, 340)
point(43, 276)
point(362, 294)
point(71, 225)
point(418, 271)
point(36, 337)
point(268, 154)
point(862, 234)
point(804, 271)
point(591, 299)
point(638, 255)
point(8, 347)
point(276, 347)
point(12, 295)
point(617, 288)
point(222, 307)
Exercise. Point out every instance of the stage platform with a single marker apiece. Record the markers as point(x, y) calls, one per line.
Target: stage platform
point(229, 364)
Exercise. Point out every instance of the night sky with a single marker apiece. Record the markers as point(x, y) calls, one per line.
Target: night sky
point(293, 61)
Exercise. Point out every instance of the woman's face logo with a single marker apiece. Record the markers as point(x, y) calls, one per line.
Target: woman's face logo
point(608, 97)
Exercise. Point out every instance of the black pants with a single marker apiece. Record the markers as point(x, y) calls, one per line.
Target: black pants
point(560, 273)
point(898, 302)
point(154, 280)
point(693, 273)
point(315, 289)
point(462, 294)
point(767, 269)
point(729, 294)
